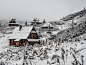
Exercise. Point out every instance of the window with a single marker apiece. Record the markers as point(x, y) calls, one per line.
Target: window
point(23, 41)
point(11, 41)
point(33, 35)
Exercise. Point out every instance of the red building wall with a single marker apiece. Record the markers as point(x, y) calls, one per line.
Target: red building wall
point(11, 43)
point(20, 42)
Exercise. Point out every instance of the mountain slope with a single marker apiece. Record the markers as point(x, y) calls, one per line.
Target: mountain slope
point(73, 32)
point(76, 15)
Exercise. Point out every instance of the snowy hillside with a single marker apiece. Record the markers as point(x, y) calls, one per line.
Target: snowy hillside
point(78, 15)
point(73, 31)
point(67, 21)
point(49, 52)
point(63, 45)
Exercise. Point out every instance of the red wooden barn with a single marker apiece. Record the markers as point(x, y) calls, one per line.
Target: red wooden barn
point(22, 35)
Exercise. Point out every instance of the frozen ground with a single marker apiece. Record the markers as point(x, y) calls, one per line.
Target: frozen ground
point(48, 53)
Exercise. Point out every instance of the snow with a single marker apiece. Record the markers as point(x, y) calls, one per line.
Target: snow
point(50, 53)
point(22, 34)
point(17, 40)
point(3, 44)
point(11, 55)
point(47, 24)
point(47, 52)
point(55, 32)
point(33, 31)
point(33, 40)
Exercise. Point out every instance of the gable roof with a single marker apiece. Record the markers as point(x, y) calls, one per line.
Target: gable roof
point(22, 34)
point(13, 21)
point(47, 25)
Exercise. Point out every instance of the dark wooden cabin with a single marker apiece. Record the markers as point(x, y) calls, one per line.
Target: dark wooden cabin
point(13, 23)
point(47, 25)
point(24, 35)
point(35, 22)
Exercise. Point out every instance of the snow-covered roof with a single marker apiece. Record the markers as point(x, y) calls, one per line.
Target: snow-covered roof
point(32, 40)
point(22, 34)
point(47, 25)
point(33, 31)
point(14, 23)
point(17, 40)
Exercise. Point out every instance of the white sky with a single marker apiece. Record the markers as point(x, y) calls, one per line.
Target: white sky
point(42, 9)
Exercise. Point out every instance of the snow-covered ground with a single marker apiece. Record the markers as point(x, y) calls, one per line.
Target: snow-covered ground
point(49, 52)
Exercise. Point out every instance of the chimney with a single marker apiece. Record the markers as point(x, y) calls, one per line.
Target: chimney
point(20, 27)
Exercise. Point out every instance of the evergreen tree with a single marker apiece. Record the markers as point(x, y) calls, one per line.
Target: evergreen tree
point(72, 24)
point(44, 21)
point(84, 8)
point(26, 23)
point(0, 24)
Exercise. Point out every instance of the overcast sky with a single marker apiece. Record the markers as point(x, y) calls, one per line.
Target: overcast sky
point(49, 10)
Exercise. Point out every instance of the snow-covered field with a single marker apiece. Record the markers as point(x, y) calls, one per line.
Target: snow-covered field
point(49, 52)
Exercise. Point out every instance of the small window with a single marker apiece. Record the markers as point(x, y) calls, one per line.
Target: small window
point(23, 41)
point(33, 35)
point(11, 41)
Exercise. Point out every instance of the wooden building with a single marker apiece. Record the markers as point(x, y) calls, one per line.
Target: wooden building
point(47, 25)
point(24, 35)
point(36, 22)
point(13, 23)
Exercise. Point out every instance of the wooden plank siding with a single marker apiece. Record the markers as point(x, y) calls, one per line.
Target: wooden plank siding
point(11, 43)
point(25, 41)
point(13, 25)
point(31, 34)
